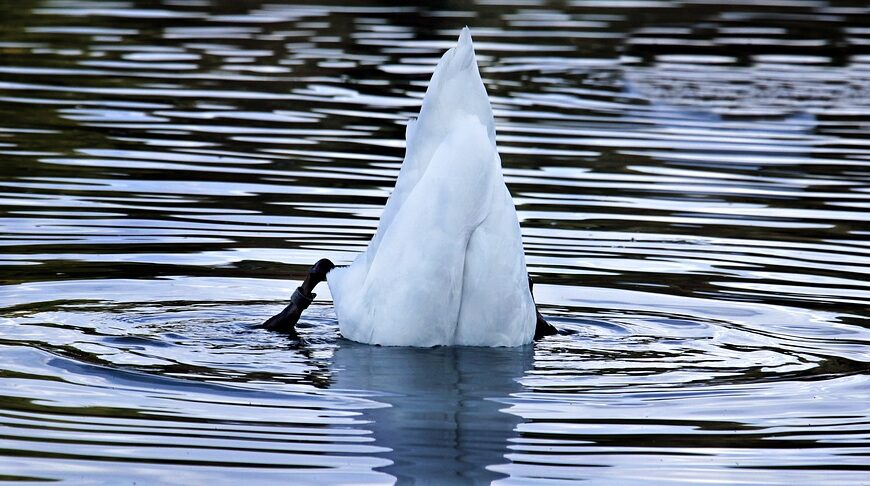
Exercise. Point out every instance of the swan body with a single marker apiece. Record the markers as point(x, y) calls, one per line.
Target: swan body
point(446, 265)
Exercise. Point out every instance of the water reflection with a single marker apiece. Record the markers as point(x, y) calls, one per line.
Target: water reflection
point(444, 424)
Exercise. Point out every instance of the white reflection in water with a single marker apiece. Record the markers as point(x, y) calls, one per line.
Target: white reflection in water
point(445, 421)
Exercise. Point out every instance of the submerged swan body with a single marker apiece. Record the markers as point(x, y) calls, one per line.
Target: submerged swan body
point(446, 266)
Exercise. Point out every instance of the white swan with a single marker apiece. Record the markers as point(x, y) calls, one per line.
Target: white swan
point(446, 266)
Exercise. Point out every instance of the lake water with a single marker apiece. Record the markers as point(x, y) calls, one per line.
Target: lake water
point(692, 179)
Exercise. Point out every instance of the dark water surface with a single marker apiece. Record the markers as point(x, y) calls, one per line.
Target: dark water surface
point(692, 177)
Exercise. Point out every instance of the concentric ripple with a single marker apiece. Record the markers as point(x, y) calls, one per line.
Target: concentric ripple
point(691, 179)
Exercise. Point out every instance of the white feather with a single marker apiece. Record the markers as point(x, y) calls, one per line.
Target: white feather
point(446, 266)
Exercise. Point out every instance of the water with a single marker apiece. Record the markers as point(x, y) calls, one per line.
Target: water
point(691, 177)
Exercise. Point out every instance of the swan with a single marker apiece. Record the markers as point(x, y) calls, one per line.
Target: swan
point(446, 264)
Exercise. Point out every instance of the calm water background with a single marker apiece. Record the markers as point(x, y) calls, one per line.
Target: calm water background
point(691, 176)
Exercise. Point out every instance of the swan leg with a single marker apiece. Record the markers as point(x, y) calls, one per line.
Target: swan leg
point(285, 321)
point(542, 327)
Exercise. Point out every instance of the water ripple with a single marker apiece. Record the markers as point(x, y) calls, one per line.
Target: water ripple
point(692, 187)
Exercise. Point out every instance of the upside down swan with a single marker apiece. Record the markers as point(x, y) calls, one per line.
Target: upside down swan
point(446, 265)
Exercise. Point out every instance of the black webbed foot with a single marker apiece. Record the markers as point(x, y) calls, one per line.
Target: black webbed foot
point(318, 271)
point(285, 321)
point(542, 327)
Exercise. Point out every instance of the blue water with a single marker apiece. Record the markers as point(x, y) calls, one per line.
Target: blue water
point(691, 178)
